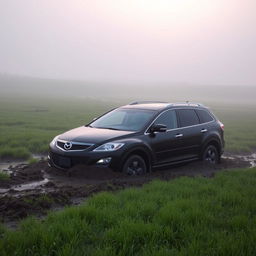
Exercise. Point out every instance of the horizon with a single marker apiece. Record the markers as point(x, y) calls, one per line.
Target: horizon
point(169, 83)
point(20, 87)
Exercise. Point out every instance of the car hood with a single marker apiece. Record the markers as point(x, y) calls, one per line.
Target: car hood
point(92, 135)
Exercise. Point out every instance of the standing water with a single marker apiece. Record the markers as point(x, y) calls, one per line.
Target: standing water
point(7, 165)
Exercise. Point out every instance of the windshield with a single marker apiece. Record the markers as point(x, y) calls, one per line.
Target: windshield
point(124, 119)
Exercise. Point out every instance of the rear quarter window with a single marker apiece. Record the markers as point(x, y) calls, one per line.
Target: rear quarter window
point(204, 116)
point(187, 117)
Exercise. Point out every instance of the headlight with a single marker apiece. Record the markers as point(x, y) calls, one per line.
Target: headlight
point(54, 140)
point(111, 146)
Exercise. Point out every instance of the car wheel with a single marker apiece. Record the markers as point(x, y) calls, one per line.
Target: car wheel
point(211, 155)
point(134, 165)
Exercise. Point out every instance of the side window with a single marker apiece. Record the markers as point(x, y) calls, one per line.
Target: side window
point(204, 116)
point(167, 118)
point(187, 117)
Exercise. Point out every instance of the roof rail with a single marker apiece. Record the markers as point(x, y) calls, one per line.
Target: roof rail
point(187, 103)
point(145, 102)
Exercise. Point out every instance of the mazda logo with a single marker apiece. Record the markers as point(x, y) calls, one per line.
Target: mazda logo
point(68, 145)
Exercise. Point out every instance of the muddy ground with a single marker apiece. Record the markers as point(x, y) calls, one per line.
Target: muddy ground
point(36, 188)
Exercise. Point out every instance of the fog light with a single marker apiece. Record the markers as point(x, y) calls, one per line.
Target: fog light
point(104, 160)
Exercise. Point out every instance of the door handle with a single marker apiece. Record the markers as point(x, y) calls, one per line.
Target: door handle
point(178, 135)
point(203, 130)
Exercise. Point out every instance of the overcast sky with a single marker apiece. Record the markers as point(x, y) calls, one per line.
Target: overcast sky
point(192, 41)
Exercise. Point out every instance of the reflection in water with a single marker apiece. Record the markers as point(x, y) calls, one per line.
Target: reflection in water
point(251, 159)
point(25, 186)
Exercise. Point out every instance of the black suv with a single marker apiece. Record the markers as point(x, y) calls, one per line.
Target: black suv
point(142, 135)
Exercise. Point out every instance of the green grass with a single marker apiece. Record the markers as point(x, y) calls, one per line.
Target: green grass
point(240, 126)
point(186, 216)
point(4, 176)
point(32, 160)
point(28, 125)
point(38, 201)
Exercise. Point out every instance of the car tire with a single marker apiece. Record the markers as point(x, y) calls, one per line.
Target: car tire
point(134, 165)
point(211, 155)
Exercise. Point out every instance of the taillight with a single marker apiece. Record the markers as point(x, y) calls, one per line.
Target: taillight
point(221, 125)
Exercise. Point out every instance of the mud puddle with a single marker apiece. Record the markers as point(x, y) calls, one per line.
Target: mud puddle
point(33, 189)
point(7, 165)
point(251, 158)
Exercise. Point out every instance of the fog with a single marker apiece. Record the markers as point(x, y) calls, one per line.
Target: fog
point(139, 42)
point(17, 88)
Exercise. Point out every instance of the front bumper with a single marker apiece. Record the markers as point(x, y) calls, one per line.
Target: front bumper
point(66, 160)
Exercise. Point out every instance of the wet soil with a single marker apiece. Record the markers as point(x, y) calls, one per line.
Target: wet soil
point(33, 189)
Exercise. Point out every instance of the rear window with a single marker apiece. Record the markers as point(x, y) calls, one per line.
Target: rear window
point(187, 117)
point(204, 116)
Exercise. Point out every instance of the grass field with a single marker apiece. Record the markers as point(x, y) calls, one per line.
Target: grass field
point(186, 216)
point(27, 125)
point(240, 125)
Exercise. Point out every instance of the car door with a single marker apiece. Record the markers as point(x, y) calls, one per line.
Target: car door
point(165, 145)
point(190, 132)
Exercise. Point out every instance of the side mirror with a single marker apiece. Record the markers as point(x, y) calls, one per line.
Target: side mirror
point(158, 128)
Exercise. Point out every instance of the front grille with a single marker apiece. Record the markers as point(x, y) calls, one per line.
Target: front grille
point(75, 146)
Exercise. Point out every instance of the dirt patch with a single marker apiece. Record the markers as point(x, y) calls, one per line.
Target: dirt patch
point(36, 188)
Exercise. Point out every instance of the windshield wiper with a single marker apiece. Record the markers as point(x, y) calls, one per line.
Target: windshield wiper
point(111, 128)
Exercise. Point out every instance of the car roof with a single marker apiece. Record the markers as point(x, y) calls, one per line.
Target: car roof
point(154, 105)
